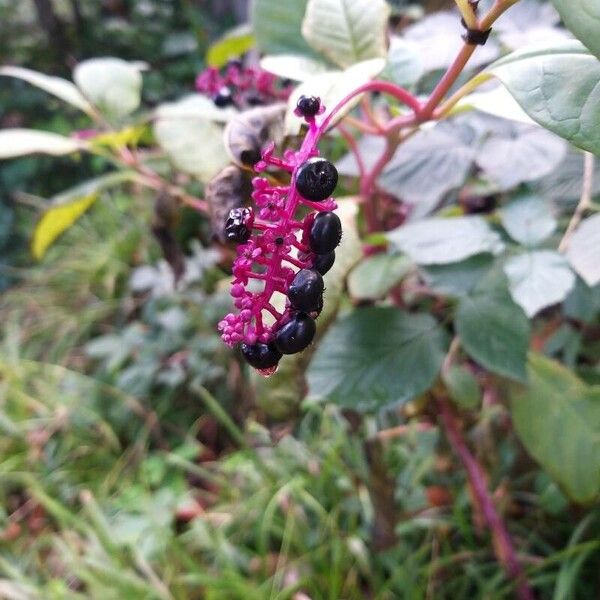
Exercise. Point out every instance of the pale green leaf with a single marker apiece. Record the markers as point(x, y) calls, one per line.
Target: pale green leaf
point(113, 85)
point(557, 418)
point(583, 250)
point(559, 87)
point(462, 387)
point(539, 279)
point(528, 219)
point(292, 66)
point(376, 275)
point(21, 142)
point(61, 88)
point(347, 31)
point(582, 17)
point(377, 357)
point(445, 240)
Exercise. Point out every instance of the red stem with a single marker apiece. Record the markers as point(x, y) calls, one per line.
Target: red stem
point(502, 542)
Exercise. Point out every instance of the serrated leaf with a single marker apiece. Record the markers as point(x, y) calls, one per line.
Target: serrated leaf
point(557, 86)
point(583, 251)
point(233, 44)
point(582, 17)
point(557, 418)
point(430, 164)
point(113, 85)
point(332, 87)
point(521, 154)
point(528, 219)
point(376, 275)
point(442, 241)
point(494, 331)
point(187, 131)
point(277, 26)
point(539, 279)
point(462, 387)
point(66, 208)
point(21, 142)
point(61, 88)
point(358, 367)
point(347, 31)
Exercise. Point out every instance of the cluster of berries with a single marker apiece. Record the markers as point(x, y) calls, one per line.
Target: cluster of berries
point(241, 86)
point(273, 244)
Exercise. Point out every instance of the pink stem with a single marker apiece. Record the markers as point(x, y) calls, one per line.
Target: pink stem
point(503, 544)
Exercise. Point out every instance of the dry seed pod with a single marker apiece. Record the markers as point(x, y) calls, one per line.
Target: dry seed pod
point(248, 132)
point(229, 189)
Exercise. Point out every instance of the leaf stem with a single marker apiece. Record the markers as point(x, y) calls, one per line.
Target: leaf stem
point(503, 545)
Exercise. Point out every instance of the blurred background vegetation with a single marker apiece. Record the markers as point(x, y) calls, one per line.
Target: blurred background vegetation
point(137, 461)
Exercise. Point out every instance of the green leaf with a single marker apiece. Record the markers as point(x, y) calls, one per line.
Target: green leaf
point(332, 87)
point(347, 31)
point(497, 102)
point(494, 330)
point(528, 220)
point(582, 17)
point(233, 44)
point(113, 85)
point(557, 86)
point(187, 131)
point(583, 250)
point(375, 276)
point(61, 88)
point(21, 142)
point(557, 418)
point(377, 357)
point(292, 66)
point(442, 241)
point(539, 279)
point(457, 279)
point(404, 66)
point(277, 26)
point(462, 387)
point(66, 208)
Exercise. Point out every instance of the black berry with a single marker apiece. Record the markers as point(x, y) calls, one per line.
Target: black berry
point(296, 335)
point(235, 63)
point(306, 290)
point(324, 262)
point(325, 233)
point(223, 98)
point(261, 356)
point(316, 179)
point(308, 106)
point(238, 226)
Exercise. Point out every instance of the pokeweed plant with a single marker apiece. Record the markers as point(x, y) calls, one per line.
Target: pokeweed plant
point(504, 283)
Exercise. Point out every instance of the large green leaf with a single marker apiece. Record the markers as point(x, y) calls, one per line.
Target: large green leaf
point(558, 419)
point(21, 142)
point(347, 31)
point(376, 357)
point(559, 87)
point(187, 131)
point(539, 279)
point(582, 17)
point(61, 88)
point(583, 251)
point(111, 84)
point(277, 26)
point(494, 330)
point(439, 241)
point(376, 275)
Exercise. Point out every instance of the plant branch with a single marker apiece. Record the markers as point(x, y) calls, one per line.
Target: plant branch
point(502, 542)
point(585, 201)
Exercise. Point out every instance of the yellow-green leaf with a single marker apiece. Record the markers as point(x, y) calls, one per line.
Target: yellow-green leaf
point(232, 45)
point(55, 221)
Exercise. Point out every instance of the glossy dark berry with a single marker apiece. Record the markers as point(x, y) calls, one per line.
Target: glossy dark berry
point(308, 106)
point(235, 62)
point(296, 335)
point(261, 356)
point(316, 179)
point(324, 262)
point(325, 233)
point(223, 98)
point(238, 226)
point(306, 290)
